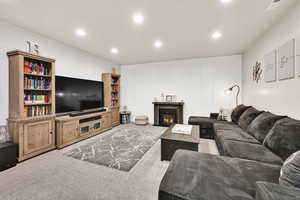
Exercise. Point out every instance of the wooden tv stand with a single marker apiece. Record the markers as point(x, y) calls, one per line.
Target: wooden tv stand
point(70, 130)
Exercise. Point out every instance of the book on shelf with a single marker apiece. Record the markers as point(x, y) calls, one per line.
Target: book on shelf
point(36, 83)
point(35, 111)
point(35, 99)
point(35, 68)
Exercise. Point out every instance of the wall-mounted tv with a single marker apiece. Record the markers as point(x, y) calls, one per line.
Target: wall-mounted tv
point(74, 94)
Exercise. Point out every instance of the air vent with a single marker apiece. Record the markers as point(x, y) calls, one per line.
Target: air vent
point(273, 5)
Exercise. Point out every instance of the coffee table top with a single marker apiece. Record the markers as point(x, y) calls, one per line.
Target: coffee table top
point(193, 138)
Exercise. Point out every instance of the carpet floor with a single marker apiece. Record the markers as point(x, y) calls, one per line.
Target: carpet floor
point(53, 176)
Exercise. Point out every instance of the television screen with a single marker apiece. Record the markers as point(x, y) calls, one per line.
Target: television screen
point(74, 94)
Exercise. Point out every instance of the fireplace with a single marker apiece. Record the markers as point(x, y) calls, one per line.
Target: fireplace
point(167, 117)
point(168, 113)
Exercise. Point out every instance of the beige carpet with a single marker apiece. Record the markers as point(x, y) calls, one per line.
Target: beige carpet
point(53, 176)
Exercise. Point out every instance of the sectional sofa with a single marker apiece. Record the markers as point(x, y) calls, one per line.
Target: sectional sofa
point(253, 148)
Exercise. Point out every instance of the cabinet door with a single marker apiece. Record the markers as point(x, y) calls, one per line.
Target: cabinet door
point(38, 136)
point(70, 131)
point(106, 121)
point(115, 119)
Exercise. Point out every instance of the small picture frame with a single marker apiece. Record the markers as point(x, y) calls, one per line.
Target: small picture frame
point(169, 98)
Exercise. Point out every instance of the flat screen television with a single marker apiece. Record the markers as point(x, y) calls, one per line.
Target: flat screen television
point(74, 94)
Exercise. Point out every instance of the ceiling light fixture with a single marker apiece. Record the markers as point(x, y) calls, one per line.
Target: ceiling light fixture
point(226, 1)
point(157, 44)
point(114, 50)
point(80, 32)
point(138, 18)
point(216, 35)
point(273, 5)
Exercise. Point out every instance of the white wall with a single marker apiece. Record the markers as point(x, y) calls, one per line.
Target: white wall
point(281, 97)
point(199, 82)
point(69, 61)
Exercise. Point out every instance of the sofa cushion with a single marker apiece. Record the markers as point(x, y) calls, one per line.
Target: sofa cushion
point(225, 126)
point(262, 124)
point(271, 191)
point(236, 135)
point(247, 117)
point(237, 112)
point(284, 138)
point(194, 176)
point(290, 171)
point(249, 151)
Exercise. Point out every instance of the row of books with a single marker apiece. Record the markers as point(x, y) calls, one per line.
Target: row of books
point(34, 111)
point(36, 83)
point(35, 68)
point(114, 102)
point(32, 99)
point(114, 95)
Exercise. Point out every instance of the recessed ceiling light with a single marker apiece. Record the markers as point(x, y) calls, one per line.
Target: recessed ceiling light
point(273, 5)
point(80, 32)
point(157, 44)
point(216, 35)
point(114, 50)
point(226, 1)
point(138, 18)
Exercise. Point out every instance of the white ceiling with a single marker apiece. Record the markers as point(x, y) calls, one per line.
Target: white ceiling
point(184, 26)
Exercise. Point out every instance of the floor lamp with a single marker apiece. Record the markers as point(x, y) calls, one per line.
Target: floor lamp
point(229, 90)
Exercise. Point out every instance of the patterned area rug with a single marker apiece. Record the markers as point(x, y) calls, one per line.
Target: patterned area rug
point(121, 149)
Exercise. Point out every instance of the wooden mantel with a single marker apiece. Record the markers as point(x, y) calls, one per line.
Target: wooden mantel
point(169, 103)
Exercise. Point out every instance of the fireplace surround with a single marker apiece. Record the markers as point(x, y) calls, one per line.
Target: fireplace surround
point(168, 113)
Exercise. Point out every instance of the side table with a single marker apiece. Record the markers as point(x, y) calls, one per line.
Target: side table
point(8, 155)
point(125, 117)
point(170, 142)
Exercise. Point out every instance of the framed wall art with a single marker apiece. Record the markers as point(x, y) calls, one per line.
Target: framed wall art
point(257, 71)
point(270, 66)
point(298, 55)
point(286, 60)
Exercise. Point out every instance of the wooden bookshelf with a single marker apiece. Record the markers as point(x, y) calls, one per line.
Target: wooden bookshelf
point(112, 95)
point(31, 102)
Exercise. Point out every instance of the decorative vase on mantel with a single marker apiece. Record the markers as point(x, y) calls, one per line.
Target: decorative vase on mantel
point(162, 97)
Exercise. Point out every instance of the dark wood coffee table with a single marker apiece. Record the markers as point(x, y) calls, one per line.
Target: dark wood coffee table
point(170, 142)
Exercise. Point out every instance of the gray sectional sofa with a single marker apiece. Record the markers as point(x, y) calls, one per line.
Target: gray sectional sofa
point(252, 149)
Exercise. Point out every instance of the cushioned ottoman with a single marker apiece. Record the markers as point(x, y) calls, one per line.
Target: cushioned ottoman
point(141, 120)
point(199, 176)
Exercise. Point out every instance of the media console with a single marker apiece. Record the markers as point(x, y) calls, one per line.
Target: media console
point(70, 129)
point(75, 114)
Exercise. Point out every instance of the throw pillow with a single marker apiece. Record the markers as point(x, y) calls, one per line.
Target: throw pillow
point(284, 138)
point(237, 112)
point(247, 117)
point(225, 114)
point(262, 124)
point(290, 171)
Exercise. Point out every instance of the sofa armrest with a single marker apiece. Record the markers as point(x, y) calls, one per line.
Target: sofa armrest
point(271, 191)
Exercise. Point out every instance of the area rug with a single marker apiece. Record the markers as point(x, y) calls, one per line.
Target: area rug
point(121, 149)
